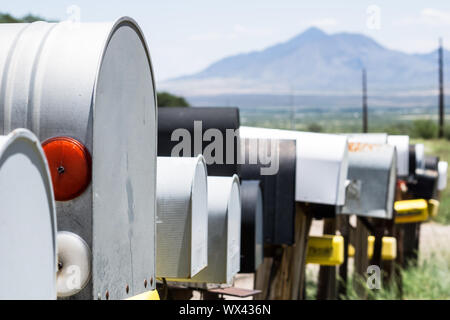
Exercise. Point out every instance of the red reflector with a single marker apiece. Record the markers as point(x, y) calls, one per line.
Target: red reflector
point(70, 166)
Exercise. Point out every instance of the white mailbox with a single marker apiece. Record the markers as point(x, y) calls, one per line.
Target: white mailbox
point(182, 217)
point(87, 91)
point(27, 220)
point(442, 175)
point(224, 231)
point(322, 163)
point(401, 143)
point(374, 167)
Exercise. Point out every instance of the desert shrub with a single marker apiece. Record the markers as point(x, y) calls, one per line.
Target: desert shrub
point(425, 129)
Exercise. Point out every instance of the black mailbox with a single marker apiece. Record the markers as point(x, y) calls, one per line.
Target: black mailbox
point(205, 127)
point(278, 189)
point(252, 248)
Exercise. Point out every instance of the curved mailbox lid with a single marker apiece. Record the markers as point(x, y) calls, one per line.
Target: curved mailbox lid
point(251, 226)
point(401, 142)
point(224, 231)
point(277, 176)
point(200, 125)
point(442, 172)
point(182, 217)
point(322, 163)
point(374, 166)
point(376, 138)
point(28, 221)
point(93, 82)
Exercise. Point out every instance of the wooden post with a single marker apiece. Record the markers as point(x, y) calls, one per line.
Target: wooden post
point(361, 260)
point(326, 287)
point(389, 266)
point(344, 229)
point(303, 225)
point(379, 230)
point(411, 235)
point(289, 280)
point(262, 278)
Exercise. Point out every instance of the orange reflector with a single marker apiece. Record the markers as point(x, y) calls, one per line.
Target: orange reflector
point(70, 166)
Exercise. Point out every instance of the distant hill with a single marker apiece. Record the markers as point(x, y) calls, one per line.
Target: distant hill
point(7, 18)
point(316, 63)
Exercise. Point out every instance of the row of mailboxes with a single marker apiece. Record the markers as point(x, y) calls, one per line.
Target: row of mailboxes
point(198, 222)
point(332, 165)
point(87, 92)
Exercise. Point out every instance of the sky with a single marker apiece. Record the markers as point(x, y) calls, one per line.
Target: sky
point(185, 36)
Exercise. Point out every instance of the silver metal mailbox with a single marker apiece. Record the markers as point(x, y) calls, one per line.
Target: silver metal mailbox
point(224, 231)
point(401, 143)
point(374, 167)
point(91, 86)
point(322, 163)
point(27, 220)
point(182, 217)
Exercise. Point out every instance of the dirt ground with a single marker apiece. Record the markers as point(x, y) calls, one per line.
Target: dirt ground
point(434, 238)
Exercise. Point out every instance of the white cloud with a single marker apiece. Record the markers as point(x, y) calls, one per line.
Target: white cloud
point(435, 17)
point(427, 17)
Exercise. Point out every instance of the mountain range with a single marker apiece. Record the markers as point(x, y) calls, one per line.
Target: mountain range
point(316, 63)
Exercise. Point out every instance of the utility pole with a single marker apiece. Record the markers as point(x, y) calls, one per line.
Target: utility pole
point(441, 90)
point(364, 111)
point(292, 109)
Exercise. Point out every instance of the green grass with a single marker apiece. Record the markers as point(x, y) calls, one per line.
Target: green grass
point(428, 281)
point(440, 148)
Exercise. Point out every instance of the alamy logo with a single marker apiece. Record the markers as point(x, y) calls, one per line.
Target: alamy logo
point(373, 21)
point(374, 279)
point(73, 14)
point(73, 281)
point(266, 155)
